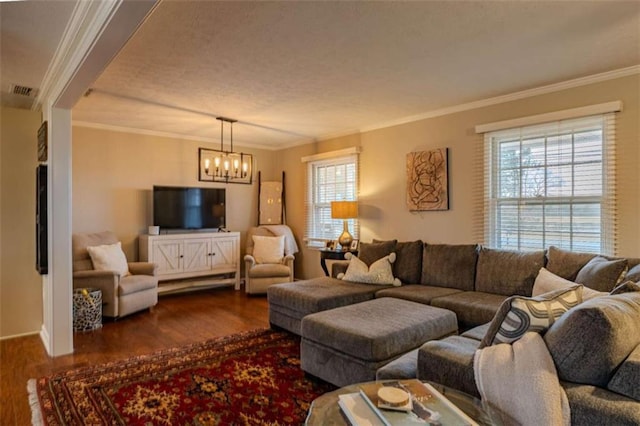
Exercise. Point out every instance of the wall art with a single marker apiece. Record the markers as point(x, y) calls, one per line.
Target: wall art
point(428, 180)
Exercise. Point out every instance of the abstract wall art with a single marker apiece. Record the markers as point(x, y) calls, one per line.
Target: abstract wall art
point(428, 180)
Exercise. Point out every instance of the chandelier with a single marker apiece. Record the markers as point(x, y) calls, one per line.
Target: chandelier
point(222, 165)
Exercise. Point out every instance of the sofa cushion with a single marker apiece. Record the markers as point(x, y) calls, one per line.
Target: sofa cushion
point(452, 266)
point(477, 333)
point(408, 265)
point(416, 293)
point(268, 270)
point(566, 264)
point(472, 307)
point(518, 315)
point(602, 274)
point(547, 281)
point(507, 272)
point(135, 283)
point(592, 405)
point(370, 252)
point(626, 287)
point(626, 381)
point(591, 340)
point(449, 362)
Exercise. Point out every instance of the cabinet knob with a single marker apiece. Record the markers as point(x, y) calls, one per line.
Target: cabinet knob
point(181, 256)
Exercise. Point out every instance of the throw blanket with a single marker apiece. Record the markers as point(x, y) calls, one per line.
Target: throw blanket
point(290, 246)
point(521, 383)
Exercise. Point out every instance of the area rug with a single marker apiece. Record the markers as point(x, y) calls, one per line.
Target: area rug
point(251, 378)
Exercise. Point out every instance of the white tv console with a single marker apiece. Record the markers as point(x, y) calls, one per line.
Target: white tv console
point(190, 255)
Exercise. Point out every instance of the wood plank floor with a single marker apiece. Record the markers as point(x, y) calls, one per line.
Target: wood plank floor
point(176, 320)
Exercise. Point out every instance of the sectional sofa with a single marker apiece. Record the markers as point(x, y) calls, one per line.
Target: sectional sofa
point(595, 346)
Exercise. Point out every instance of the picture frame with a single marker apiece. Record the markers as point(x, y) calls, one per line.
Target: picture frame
point(354, 245)
point(330, 245)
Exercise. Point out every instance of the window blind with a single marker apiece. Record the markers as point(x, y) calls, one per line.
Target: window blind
point(551, 184)
point(329, 179)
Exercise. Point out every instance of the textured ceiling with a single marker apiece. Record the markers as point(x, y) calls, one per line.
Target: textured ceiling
point(292, 72)
point(30, 34)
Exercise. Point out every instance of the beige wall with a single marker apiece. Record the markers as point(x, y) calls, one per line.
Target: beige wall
point(114, 173)
point(382, 164)
point(20, 284)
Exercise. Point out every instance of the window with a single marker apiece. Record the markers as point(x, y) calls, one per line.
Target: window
point(552, 184)
point(330, 177)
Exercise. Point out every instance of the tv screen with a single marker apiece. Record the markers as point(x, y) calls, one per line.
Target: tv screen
point(188, 208)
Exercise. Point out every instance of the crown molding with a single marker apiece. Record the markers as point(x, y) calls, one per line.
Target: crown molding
point(556, 87)
point(133, 130)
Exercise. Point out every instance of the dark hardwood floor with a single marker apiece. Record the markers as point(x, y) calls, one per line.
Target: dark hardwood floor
point(176, 320)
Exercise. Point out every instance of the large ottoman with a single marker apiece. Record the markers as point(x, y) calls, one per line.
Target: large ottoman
point(347, 345)
point(290, 302)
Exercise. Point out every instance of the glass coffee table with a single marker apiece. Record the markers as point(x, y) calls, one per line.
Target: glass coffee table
point(325, 410)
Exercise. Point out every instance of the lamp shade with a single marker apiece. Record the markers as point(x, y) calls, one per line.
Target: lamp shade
point(344, 209)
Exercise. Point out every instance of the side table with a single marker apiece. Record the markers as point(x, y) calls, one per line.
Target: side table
point(333, 255)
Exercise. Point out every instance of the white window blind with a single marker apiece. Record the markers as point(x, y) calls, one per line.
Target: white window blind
point(552, 184)
point(329, 179)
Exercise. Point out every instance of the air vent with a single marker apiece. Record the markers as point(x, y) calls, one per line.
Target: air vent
point(16, 89)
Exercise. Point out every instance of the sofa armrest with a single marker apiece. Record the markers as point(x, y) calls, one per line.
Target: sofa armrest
point(288, 260)
point(143, 268)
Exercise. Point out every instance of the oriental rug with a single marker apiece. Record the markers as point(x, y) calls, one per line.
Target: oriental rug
point(251, 378)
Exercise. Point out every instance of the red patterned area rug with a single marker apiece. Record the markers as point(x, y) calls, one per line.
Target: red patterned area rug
point(251, 378)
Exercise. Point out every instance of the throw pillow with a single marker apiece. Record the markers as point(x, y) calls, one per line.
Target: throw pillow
point(565, 263)
point(408, 265)
point(633, 274)
point(268, 249)
point(602, 274)
point(109, 257)
point(547, 281)
point(518, 315)
point(626, 287)
point(370, 252)
point(379, 272)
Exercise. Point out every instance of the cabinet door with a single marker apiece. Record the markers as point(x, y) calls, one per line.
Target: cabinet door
point(224, 253)
point(166, 254)
point(196, 254)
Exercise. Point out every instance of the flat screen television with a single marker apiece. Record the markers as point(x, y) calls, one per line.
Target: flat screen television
point(177, 207)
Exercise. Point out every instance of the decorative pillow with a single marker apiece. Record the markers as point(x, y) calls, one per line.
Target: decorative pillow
point(627, 378)
point(268, 249)
point(109, 257)
point(370, 252)
point(633, 274)
point(565, 263)
point(626, 287)
point(547, 281)
point(518, 315)
point(379, 272)
point(602, 274)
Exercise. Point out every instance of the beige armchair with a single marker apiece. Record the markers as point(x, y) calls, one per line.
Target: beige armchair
point(120, 295)
point(259, 276)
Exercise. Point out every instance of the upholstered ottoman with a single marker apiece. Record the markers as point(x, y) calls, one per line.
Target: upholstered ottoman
point(290, 302)
point(347, 345)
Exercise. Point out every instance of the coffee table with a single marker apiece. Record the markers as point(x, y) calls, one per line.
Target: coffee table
point(324, 410)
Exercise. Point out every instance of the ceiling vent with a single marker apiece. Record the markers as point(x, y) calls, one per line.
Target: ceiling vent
point(16, 89)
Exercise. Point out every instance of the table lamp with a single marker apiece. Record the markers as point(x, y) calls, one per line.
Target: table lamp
point(344, 210)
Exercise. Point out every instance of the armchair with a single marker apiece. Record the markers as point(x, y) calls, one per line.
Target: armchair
point(121, 295)
point(259, 276)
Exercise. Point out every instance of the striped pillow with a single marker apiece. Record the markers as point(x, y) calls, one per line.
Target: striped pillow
point(518, 315)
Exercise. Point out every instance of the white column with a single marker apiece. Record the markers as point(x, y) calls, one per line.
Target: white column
point(57, 285)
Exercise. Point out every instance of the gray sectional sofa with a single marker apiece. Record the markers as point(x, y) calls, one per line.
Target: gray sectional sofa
point(595, 346)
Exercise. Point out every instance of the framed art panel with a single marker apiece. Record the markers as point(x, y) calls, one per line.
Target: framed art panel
point(428, 180)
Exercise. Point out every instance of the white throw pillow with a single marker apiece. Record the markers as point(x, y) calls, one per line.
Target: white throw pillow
point(109, 257)
point(268, 249)
point(548, 281)
point(379, 272)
